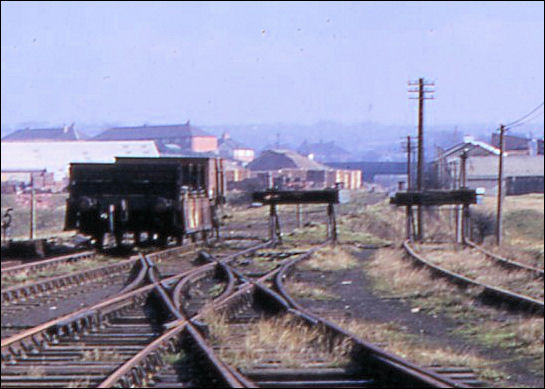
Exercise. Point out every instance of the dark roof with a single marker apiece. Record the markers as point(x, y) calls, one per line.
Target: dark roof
point(151, 132)
point(45, 134)
point(284, 159)
point(511, 142)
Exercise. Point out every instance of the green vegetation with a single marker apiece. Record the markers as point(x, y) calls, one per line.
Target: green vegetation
point(395, 276)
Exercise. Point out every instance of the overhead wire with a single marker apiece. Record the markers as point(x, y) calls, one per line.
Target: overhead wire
point(525, 116)
point(527, 120)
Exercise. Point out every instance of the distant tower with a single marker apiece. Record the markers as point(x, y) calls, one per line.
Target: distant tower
point(278, 140)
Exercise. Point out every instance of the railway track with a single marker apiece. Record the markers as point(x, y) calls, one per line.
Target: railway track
point(33, 303)
point(83, 348)
point(15, 268)
point(508, 263)
point(29, 304)
point(342, 360)
point(490, 293)
point(155, 335)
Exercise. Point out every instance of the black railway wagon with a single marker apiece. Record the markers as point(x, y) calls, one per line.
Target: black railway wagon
point(136, 198)
point(197, 173)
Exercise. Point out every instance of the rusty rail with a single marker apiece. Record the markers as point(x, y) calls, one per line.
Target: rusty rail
point(47, 263)
point(504, 261)
point(531, 304)
point(409, 372)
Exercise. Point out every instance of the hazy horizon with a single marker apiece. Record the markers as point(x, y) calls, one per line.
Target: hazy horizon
point(246, 63)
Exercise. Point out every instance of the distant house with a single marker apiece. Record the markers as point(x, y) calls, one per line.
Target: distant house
point(62, 134)
point(170, 139)
point(324, 152)
point(289, 169)
point(519, 145)
point(523, 173)
point(231, 149)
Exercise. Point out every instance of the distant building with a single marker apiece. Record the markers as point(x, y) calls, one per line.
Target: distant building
point(55, 157)
point(519, 145)
point(523, 173)
point(170, 139)
point(62, 134)
point(324, 152)
point(291, 170)
point(231, 149)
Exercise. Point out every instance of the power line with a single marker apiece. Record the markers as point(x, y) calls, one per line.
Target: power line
point(527, 120)
point(525, 116)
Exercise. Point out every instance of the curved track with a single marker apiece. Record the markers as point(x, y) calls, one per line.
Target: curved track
point(497, 294)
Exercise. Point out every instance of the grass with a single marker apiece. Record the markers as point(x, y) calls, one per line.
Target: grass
point(174, 358)
point(216, 290)
point(395, 339)
point(477, 266)
point(66, 268)
point(303, 290)
point(330, 258)
point(285, 338)
point(392, 275)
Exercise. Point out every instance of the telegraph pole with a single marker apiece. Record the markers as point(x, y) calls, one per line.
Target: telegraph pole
point(422, 91)
point(500, 189)
point(409, 167)
point(409, 211)
point(463, 184)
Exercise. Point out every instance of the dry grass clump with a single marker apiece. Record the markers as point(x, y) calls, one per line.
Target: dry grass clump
point(330, 258)
point(531, 255)
point(284, 339)
point(217, 325)
point(530, 332)
point(395, 275)
point(303, 290)
point(475, 265)
point(392, 338)
point(380, 221)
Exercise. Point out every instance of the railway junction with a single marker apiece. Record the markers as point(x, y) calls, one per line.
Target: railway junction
point(259, 307)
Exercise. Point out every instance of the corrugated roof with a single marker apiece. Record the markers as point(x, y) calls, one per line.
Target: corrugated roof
point(56, 156)
point(284, 159)
point(65, 133)
point(469, 143)
point(151, 132)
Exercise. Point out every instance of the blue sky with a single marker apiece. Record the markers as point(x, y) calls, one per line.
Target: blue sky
point(240, 63)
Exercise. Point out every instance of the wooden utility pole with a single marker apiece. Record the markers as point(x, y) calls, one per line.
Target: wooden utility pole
point(420, 162)
point(463, 185)
point(409, 210)
point(32, 230)
point(500, 190)
point(409, 167)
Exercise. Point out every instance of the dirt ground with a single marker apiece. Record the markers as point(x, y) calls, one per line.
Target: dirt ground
point(356, 299)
